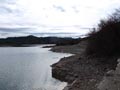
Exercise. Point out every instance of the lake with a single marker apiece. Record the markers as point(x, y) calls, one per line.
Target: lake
point(28, 68)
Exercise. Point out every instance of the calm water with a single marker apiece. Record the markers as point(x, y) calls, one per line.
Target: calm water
point(28, 68)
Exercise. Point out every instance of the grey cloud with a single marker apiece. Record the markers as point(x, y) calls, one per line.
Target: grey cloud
point(75, 9)
point(16, 30)
point(8, 1)
point(4, 10)
point(60, 8)
point(8, 10)
point(6, 7)
point(4, 34)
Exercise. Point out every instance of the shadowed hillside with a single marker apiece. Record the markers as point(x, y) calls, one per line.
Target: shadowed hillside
point(21, 41)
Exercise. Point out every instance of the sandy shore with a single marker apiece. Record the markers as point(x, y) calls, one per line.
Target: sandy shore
point(81, 72)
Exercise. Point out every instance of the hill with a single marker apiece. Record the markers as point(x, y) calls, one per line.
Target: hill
point(28, 40)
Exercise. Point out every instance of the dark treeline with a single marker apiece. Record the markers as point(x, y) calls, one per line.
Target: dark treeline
point(27, 40)
point(105, 39)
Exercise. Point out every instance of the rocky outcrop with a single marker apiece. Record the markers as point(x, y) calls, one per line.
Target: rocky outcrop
point(63, 70)
point(112, 79)
point(81, 73)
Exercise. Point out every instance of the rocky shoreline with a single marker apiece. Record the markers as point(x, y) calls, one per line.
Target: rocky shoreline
point(81, 72)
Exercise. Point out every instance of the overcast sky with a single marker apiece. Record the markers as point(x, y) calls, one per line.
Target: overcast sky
point(23, 17)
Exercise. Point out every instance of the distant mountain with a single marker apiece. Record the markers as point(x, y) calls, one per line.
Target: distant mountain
point(27, 40)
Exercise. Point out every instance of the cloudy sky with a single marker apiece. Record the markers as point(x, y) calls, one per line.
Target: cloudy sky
point(49, 17)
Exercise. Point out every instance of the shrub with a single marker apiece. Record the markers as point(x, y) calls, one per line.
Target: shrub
point(105, 39)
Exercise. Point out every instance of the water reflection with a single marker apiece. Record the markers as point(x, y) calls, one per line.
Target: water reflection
point(28, 68)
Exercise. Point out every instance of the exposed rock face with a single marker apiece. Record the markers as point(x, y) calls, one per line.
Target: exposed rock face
point(64, 70)
point(81, 73)
point(112, 80)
